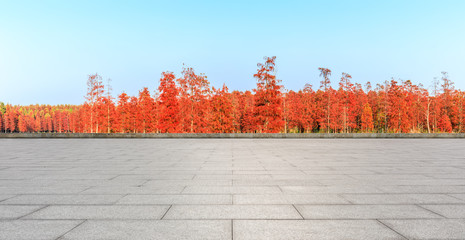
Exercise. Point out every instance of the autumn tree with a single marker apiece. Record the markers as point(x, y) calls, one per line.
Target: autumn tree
point(194, 94)
point(325, 87)
point(347, 98)
point(444, 123)
point(221, 120)
point(107, 101)
point(268, 106)
point(459, 113)
point(134, 114)
point(236, 110)
point(308, 108)
point(123, 113)
point(246, 108)
point(145, 110)
point(447, 91)
point(292, 108)
point(95, 91)
point(367, 118)
point(2, 117)
point(1, 122)
point(168, 103)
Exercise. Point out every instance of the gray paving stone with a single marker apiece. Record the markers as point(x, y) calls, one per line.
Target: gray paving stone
point(400, 198)
point(312, 229)
point(232, 212)
point(271, 172)
point(231, 189)
point(329, 189)
point(42, 190)
point(233, 177)
point(154, 230)
point(406, 180)
point(70, 183)
point(134, 190)
point(390, 176)
point(13, 212)
point(4, 197)
point(195, 182)
point(289, 199)
point(429, 229)
point(290, 182)
point(35, 229)
point(459, 196)
point(447, 176)
point(155, 176)
point(311, 177)
point(100, 212)
point(175, 199)
point(340, 172)
point(364, 212)
point(423, 189)
point(448, 211)
point(63, 199)
point(4, 175)
point(395, 182)
point(173, 172)
point(77, 176)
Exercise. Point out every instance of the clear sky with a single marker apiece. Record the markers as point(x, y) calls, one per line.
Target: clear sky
point(47, 48)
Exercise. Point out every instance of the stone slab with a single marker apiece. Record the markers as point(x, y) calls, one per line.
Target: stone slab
point(14, 211)
point(312, 229)
point(364, 212)
point(232, 212)
point(289, 199)
point(35, 229)
point(100, 212)
point(401, 198)
point(63, 199)
point(175, 199)
point(448, 211)
point(439, 229)
point(154, 230)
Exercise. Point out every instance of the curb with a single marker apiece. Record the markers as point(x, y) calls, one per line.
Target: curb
point(232, 135)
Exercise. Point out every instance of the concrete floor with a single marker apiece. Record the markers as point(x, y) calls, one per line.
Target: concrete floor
point(232, 189)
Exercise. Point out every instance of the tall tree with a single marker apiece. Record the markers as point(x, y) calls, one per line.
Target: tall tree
point(221, 120)
point(110, 107)
point(268, 105)
point(1, 122)
point(123, 113)
point(168, 103)
point(95, 91)
point(325, 86)
point(367, 118)
point(146, 108)
point(194, 94)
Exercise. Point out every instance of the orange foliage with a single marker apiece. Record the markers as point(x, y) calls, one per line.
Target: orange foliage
point(189, 105)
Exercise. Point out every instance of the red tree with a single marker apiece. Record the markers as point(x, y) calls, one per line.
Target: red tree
point(168, 104)
point(145, 111)
point(194, 94)
point(95, 90)
point(221, 120)
point(123, 112)
point(367, 118)
point(268, 105)
point(326, 92)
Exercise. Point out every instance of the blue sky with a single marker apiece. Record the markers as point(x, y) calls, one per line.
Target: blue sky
point(47, 48)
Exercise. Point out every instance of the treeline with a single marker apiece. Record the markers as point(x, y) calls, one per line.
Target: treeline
point(188, 104)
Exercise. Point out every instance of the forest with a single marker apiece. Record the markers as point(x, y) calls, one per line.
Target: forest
point(188, 104)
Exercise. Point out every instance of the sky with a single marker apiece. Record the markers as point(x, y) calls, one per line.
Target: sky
point(48, 48)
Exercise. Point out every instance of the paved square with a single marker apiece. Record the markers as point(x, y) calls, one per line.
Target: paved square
point(232, 189)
